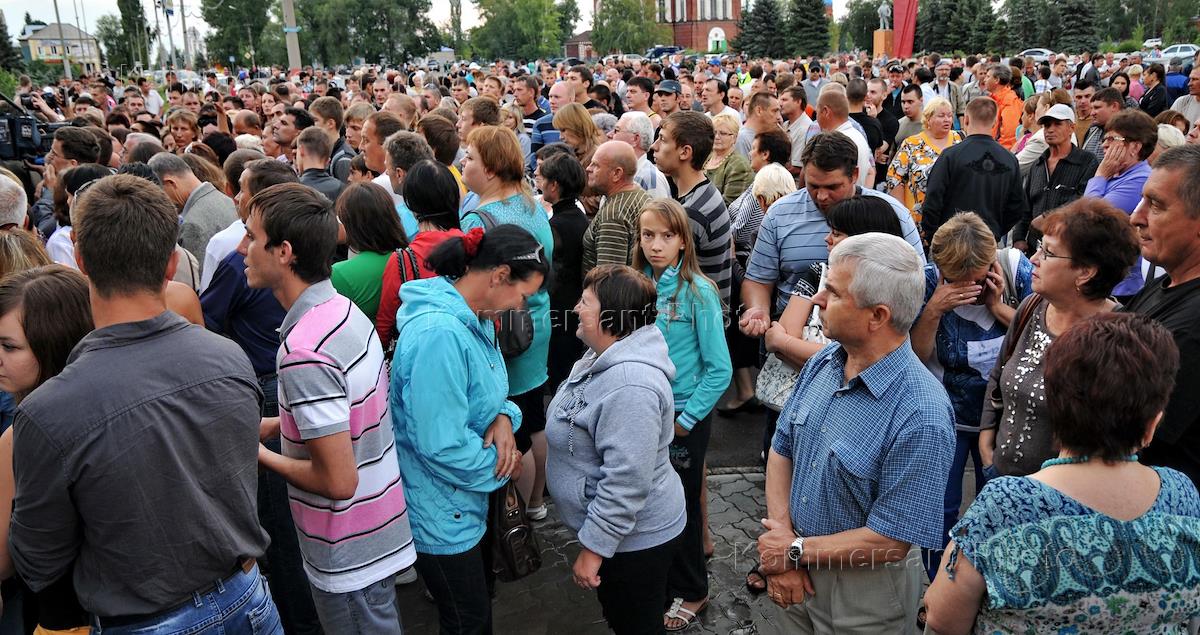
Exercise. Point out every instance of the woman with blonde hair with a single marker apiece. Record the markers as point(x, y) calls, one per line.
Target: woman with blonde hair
point(691, 318)
point(728, 171)
point(972, 290)
point(578, 130)
point(184, 129)
point(20, 250)
point(494, 170)
point(512, 118)
point(908, 175)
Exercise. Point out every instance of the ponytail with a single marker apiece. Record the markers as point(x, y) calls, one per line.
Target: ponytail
point(502, 245)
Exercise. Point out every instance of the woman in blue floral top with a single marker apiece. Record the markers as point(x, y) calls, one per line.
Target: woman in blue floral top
point(1094, 542)
point(971, 294)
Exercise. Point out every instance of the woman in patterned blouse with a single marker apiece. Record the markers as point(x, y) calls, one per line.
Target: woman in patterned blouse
point(909, 173)
point(1093, 542)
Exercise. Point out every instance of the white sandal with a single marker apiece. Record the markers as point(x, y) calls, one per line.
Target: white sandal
point(677, 612)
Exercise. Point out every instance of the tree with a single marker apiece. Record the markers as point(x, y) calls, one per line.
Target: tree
point(807, 28)
point(517, 28)
point(30, 21)
point(134, 25)
point(759, 33)
point(568, 17)
point(626, 25)
point(112, 38)
point(1027, 22)
point(233, 24)
point(1077, 34)
point(933, 21)
point(998, 41)
point(10, 57)
point(859, 24)
point(982, 27)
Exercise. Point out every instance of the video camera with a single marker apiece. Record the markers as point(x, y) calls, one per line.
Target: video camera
point(22, 135)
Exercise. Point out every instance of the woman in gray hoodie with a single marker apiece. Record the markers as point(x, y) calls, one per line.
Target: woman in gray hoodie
point(609, 430)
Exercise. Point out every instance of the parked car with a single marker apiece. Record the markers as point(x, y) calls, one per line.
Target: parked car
point(1038, 55)
point(1151, 43)
point(1184, 51)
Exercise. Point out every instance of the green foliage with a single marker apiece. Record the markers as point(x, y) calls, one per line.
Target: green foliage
point(859, 24)
point(10, 57)
point(761, 33)
point(627, 25)
point(568, 17)
point(42, 73)
point(516, 28)
point(1077, 34)
point(233, 24)
point(807, 28)
point(135, 28)
point(30, 20)
point(112, 38)
point(998, 41)
point(8, 82)
point(947, 26)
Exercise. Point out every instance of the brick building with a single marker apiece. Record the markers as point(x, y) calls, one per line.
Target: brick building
point(698, 25)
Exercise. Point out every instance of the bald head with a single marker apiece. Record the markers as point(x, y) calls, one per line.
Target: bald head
point(561, 94)
point(247, 122)
point(833, 109)
point(612, 168)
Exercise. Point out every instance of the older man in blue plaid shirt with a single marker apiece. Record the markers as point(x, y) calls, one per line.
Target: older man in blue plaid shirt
point(857, 471)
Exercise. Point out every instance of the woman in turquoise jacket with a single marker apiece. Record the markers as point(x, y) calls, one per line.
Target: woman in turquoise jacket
point(452, 420)
point(493, 169)
point(692, 319)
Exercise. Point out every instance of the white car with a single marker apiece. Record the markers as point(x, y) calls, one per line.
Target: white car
point(1180, 50)
point(1038, 55)
point(1152, 43)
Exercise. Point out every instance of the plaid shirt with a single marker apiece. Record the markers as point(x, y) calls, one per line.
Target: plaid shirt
point(1048, 191)
point(872, 452)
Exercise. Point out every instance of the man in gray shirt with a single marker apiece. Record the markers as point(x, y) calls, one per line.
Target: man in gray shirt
point(203, 210)
point(137, 466)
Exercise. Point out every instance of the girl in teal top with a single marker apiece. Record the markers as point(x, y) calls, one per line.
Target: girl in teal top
point(690, 313)
point(692, 320)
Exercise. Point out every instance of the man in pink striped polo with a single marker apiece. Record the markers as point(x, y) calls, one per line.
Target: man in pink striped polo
point(339, 456)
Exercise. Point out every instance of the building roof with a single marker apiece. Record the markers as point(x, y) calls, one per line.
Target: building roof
point(580, 38)
point(57, 31)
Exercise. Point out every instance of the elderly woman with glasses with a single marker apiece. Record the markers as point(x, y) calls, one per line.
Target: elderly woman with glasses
point(1087, 248)
point(728, 170)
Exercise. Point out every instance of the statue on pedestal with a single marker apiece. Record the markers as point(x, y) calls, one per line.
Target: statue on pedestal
point(885, 16)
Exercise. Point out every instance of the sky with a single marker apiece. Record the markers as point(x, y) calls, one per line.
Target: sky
point(91, 10)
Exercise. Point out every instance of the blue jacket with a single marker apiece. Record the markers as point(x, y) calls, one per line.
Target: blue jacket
point(693, 322)
point(448, 384)
point(609, 431)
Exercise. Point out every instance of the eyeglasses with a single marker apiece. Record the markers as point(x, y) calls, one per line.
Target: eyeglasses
point(1044, 253)
point(1112, 139)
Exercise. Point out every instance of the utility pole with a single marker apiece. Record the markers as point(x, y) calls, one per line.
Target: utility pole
point(187, 49)
point(157, 41)
point(167, 11)
point(253, 63)
point(289, 34)
point(78, 37)
point(66, 52)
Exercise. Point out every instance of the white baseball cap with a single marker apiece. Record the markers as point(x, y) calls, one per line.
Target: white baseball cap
point(1058, 112)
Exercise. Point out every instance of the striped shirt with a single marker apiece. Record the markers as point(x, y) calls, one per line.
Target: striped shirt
point(709, 219)
point(649, 178)
point(332, 379)
point(543, 133)
point(611, 237)
point(792, 238)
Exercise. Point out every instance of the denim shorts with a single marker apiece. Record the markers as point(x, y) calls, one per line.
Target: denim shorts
point(238, 605)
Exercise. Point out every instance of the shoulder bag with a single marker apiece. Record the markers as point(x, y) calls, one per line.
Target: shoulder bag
point(777, 380)
point(515, 552)
point(514, 328)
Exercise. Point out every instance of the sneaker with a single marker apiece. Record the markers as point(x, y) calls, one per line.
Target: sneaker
point(536, 513)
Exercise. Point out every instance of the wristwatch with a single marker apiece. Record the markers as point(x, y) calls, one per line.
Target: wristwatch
point(796, 550)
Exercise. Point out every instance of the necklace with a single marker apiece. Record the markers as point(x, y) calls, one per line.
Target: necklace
point(1080, 459)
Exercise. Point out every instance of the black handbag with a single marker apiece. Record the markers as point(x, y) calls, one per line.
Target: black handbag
point(514, 327)
point(515, 552)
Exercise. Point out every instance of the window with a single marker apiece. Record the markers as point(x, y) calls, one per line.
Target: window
point(54, 50)
point(713, 15)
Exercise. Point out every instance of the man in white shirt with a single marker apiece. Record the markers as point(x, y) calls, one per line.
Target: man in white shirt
point(833, 113)
point(1189, 104)
point(154, 101)
point(792, 103)
point(635, 129)
point(715, 98)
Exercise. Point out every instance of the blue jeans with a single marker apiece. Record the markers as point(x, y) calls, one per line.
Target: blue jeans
point(238, 605)
point(370, 610)
point(966, 444)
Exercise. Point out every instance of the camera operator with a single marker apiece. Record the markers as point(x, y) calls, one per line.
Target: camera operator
point(72, 146)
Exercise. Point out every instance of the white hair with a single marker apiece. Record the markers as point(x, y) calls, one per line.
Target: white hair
point(249, 142)
point(13, 202)
point(605, 122)
point(887, 271)
point(1169, 136)
point(773, 182)
point(639, 124)
point(135, 139)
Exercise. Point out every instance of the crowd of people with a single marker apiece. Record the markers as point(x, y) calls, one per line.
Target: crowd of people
point(313, 322)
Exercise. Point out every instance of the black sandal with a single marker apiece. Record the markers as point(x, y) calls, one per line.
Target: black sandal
point(751, 587)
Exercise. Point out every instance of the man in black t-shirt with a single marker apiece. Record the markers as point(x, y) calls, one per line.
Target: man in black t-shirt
point(1168, 224)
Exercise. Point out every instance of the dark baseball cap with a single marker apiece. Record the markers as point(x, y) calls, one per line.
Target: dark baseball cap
point(669, 86)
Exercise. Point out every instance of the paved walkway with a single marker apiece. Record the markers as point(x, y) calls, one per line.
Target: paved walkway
point(548, 602)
